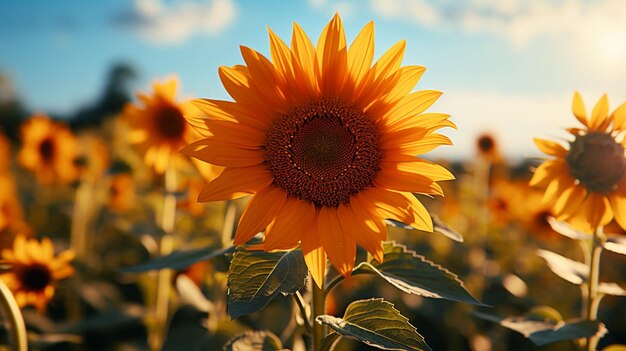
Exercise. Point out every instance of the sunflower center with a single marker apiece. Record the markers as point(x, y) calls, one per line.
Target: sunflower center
point(35, 277)
point(170, 122)
point(597, 161)
point(323, 152)
point(46, 149)
point(486, 144)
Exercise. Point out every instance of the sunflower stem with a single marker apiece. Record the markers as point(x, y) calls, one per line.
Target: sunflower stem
point(164, 277)
point(18, 328)
point(319, 308)
point(303, 312)
point(593, 297)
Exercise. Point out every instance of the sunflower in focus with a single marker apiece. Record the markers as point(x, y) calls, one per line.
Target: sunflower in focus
point(326, 142)
point(49, 150)
point(157, 125)
point(586, 183)
point(34, 269)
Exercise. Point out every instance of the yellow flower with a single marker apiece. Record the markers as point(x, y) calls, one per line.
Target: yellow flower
point(34, 270)
point(49, 150)
point(326, 142)
point(586, 183)
point(158, 126)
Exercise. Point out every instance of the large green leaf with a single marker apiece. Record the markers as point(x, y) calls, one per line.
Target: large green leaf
point(254, 341)
point(257, 277)
point(439, 226)
point(545, 331)
point(178, 259)
point(377, 323)
point(414, 274)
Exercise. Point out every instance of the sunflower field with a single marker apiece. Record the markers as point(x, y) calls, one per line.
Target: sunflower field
point(307, 209)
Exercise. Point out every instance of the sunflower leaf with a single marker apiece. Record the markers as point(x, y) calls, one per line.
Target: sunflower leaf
point(543, 332)
point(567, 230)
point(616, 243)
point(377, 323)
point(414, 274)
point(256, 277)
point(178, 259)
point(254, 341)
point(570, 270)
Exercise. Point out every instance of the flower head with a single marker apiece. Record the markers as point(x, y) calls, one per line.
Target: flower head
point(326, 142)
point(34, 269)
point(49, 150)
point(157, 125)
point(586, 183)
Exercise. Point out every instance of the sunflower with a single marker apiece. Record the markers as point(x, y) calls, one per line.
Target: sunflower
point(326, 142)
point(158, 126)
point(586, 184)
point(49, 150)
point(34, 269)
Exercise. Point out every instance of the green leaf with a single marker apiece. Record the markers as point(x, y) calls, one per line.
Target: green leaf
point(178, 259)
point(616, 243)
point(414, 274)
point(257, 277)
point(570, 270)
point(377, 323)
point(254, 341)
point(567, 230)
point(443, 228)
point(546, 331)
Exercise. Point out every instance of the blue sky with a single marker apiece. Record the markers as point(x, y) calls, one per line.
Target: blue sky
point(507, 67)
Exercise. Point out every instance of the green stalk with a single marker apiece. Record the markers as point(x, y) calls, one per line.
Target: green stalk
point(163, 291)
point(319, 308)
point(593, 297)
point(18, 328)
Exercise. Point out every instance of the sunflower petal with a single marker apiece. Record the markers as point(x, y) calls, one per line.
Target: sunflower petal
point(550, 147)
point(235, 182)
point(416, 165)
point(314, 254)
point(406, 181)
point(578, 107)
point(294, 218)
point(361, 53)
point(260, 211)
point(332, 58)
point(569, 201)
point(619, 117)
point(412, 105)
point(369, 236)
point(600, 114)
point(218, 153)
point(340, 248)
point(598, 211)
point(618, 204)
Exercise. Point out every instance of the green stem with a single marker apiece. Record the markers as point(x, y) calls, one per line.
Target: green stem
point(319, 308)
point(302, 307)
point(18, 328)
point(593, 297)
point(163, 291)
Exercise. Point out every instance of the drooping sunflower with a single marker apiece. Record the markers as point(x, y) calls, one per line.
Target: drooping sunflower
point(157, 125)
point(586, 184)
point(48, 150)
point(326, 142)
point(34, 269)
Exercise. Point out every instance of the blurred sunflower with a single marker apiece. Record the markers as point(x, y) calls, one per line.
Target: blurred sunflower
point(49, 150)
point(586, 183)
point(487, 147)
point(158, 126)
point(327, 144)
point(34, 269)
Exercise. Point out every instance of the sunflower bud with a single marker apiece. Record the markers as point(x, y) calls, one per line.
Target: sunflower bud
point(597, 161)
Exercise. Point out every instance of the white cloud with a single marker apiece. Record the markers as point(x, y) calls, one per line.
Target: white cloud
point(158, 23)
point(519, 21)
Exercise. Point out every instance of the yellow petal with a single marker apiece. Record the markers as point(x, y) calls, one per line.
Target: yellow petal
point(221, 154)
point(361, 53)
point(332, 58)
point(550, 147)
point(569, 201)
point(600, 114)
point(618, 204)
point(619, 117)
point(547, 171)
point(236, 182)
point(260, 211)
point(406, 181)
point(232, 112)
point(314, 254)
point(412, 105)
point(294, 218)
point(304, 56)
point(340, 248)
point(363, 230)
point(598, 211)
point(578, 107)
point(418, 166)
